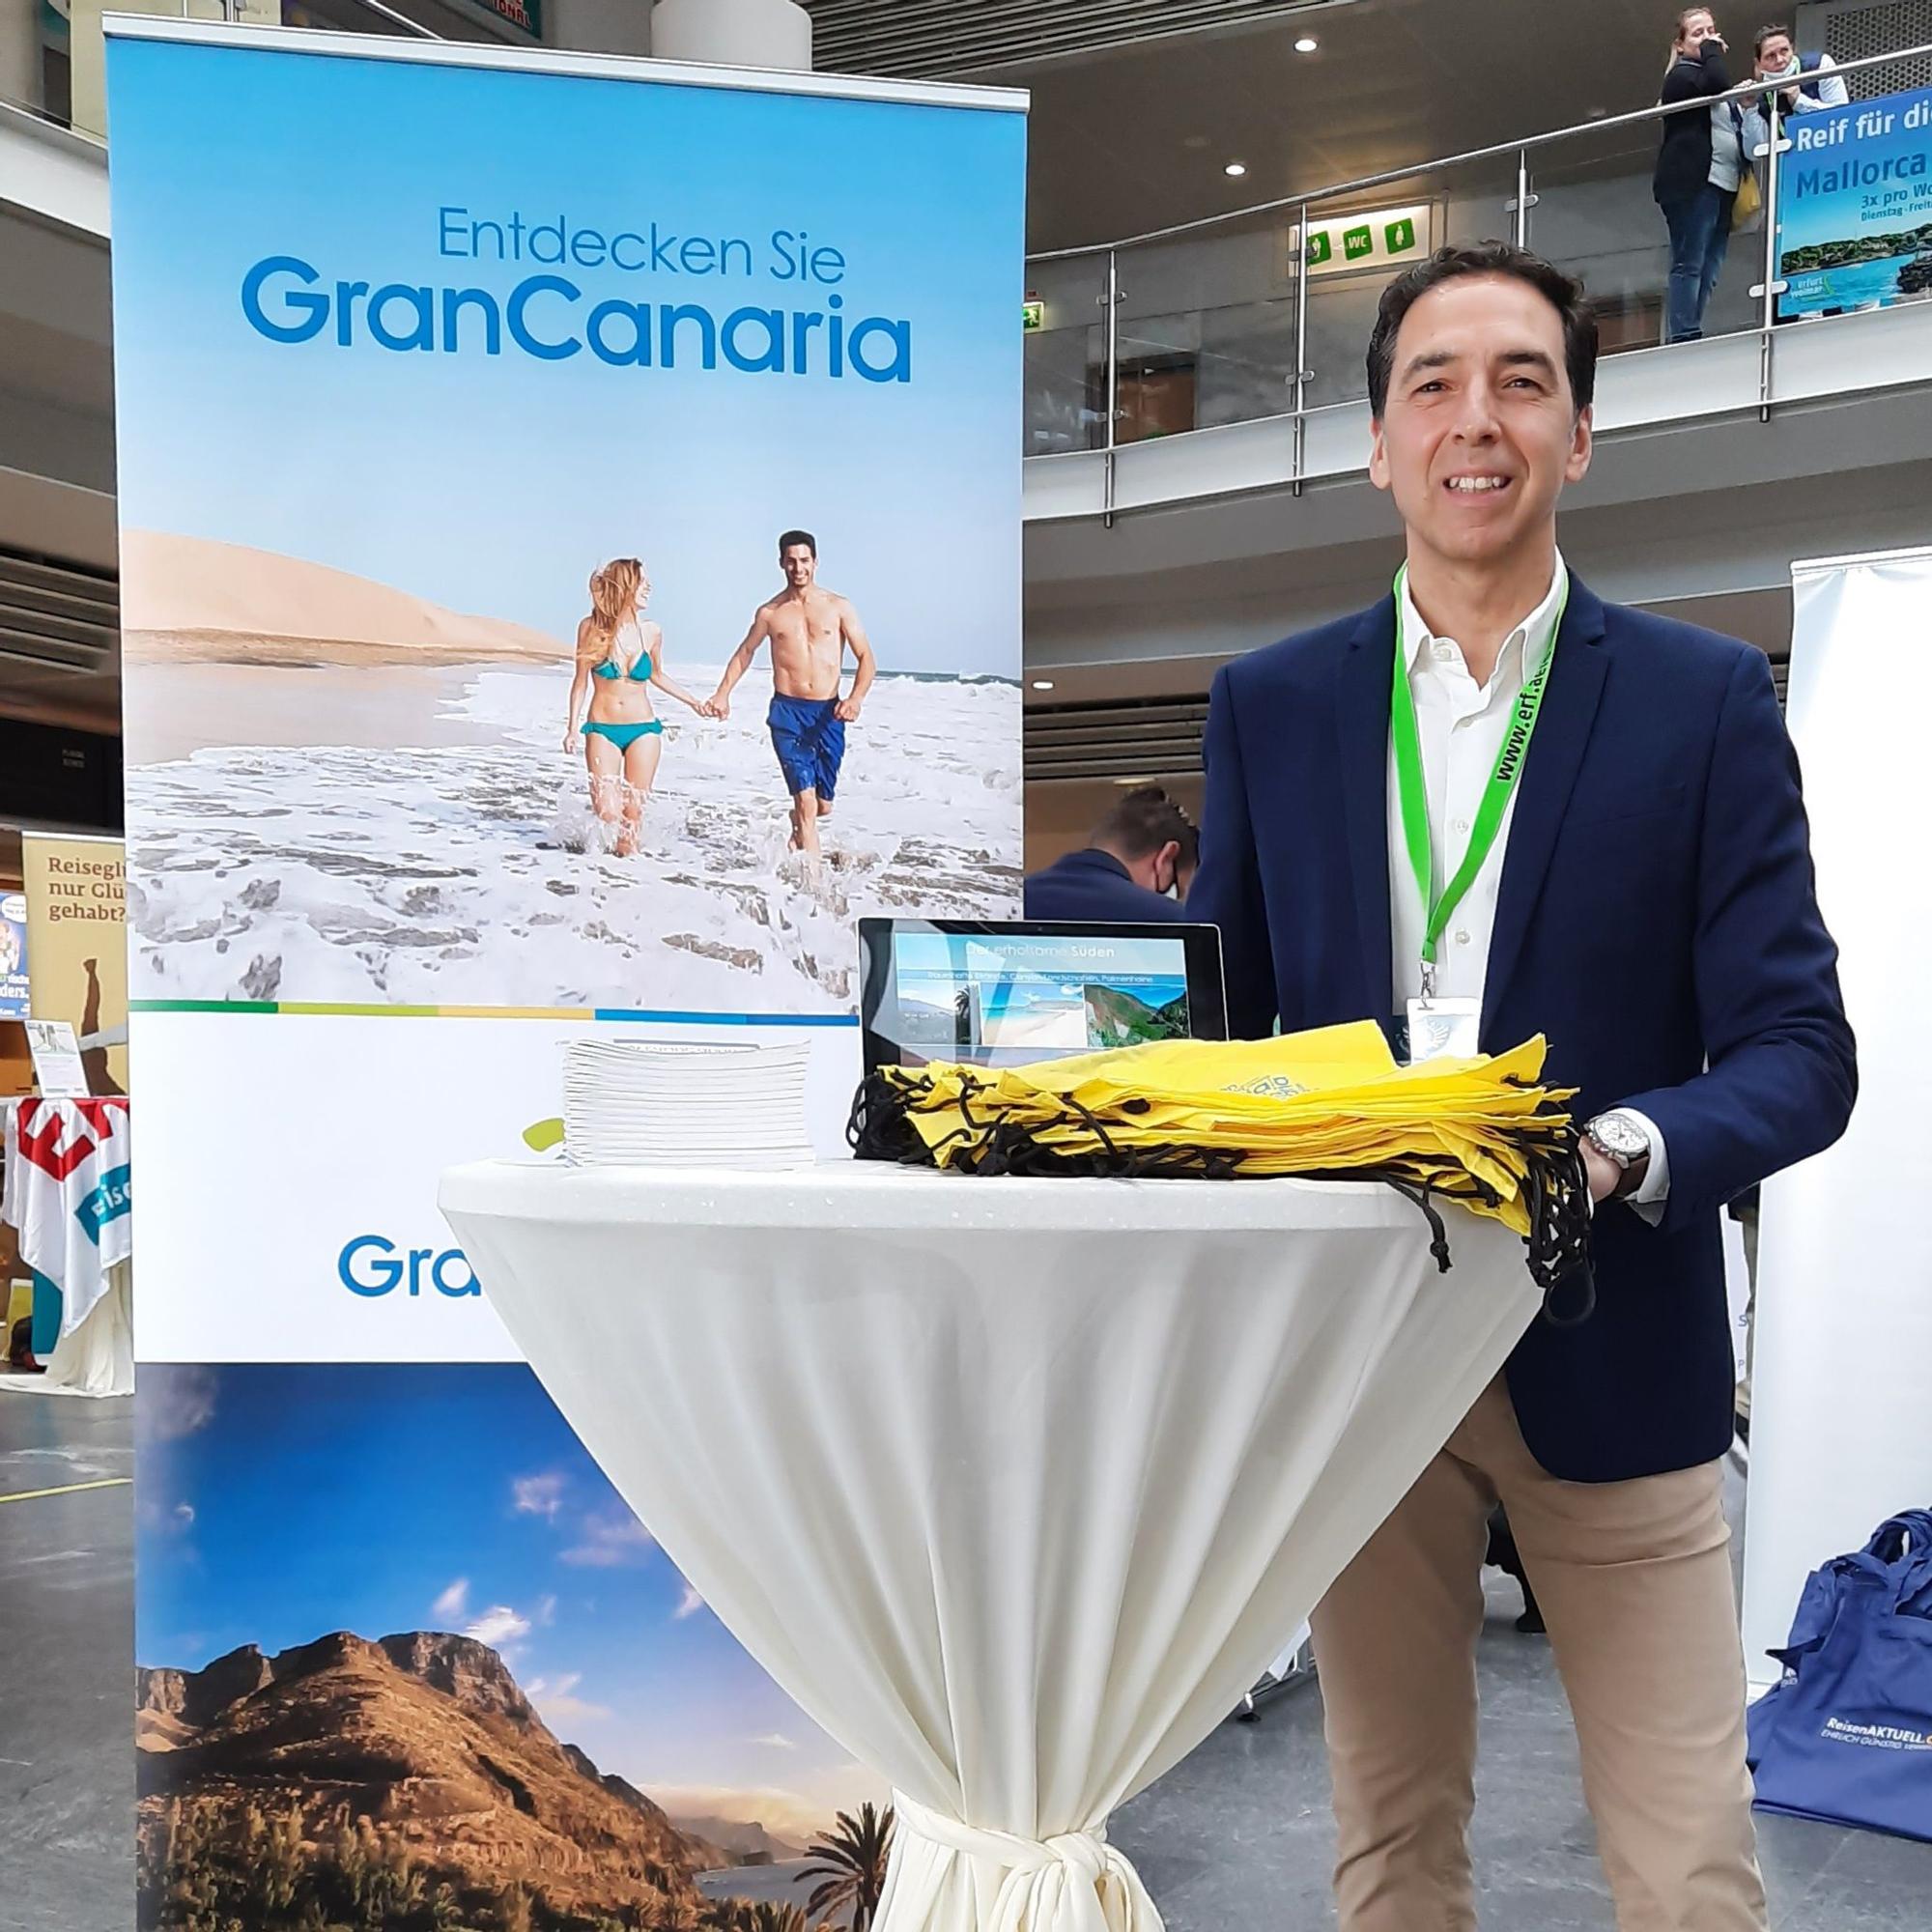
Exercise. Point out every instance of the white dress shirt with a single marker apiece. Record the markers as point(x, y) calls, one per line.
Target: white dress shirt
point(1461, 725)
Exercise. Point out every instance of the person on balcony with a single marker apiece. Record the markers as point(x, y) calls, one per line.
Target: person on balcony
point(1700, 160)
point(1133, 871)
point(1801, 84)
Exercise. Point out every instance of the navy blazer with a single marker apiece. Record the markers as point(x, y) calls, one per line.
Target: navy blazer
point(1656, 919)
point(1093, 887)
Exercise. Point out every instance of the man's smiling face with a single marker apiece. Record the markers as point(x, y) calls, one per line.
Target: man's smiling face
point(1480, 431)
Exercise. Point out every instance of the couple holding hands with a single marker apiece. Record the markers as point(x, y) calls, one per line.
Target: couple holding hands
point(621, 657)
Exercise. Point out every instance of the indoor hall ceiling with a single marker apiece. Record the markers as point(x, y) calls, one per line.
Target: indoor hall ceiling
point(934, 39)
point(1137, 139)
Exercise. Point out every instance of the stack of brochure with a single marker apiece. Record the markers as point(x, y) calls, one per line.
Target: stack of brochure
point(635, 1103)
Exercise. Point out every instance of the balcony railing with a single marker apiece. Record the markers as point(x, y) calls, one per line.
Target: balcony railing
point(66, 82)
point(1266, 312)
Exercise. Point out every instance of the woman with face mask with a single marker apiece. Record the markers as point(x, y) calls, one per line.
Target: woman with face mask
point(1806, 84)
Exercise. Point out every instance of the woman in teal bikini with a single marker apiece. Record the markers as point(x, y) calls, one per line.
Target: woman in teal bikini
point(619, 657)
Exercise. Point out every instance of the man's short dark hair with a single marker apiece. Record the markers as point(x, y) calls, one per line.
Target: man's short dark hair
point(1143, 821)
point(1563, 293)
point(803, 537)
point(1777, 31)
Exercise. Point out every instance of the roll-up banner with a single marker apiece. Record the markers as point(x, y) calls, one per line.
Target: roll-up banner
point(1841, 1437)
point(509, 445)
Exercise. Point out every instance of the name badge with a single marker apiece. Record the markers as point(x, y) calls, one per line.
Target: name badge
point(1443, 1029)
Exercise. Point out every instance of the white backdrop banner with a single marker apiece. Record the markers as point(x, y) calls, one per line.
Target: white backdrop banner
point(1841, 1429)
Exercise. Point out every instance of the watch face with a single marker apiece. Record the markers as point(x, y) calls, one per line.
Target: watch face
point(1620, 1136)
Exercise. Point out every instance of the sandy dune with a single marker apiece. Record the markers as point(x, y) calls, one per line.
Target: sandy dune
point(186, 599)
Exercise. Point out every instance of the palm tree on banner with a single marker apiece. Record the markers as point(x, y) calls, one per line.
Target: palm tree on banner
point(776, 1918)
point(852, 1865)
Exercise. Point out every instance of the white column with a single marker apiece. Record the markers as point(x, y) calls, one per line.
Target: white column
point(732, 33)
point(599, 26)
point(21, 52)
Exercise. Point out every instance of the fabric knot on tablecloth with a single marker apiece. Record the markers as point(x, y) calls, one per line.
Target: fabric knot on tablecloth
point(1074, 1882)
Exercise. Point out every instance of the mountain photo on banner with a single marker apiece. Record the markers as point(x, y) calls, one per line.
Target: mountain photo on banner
point(405, 1659)
point(358, 547)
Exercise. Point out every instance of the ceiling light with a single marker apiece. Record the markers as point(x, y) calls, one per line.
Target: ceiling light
point(1306, 45)
point(1043, 684)
point(1235, 168)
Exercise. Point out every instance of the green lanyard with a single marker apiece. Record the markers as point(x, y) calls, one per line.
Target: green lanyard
point(1408, 744)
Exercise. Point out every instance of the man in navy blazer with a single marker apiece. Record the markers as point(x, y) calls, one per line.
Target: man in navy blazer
point(1145, 847)
point(1647, 903)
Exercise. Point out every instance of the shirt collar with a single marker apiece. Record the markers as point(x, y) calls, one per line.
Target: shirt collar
point(1524, 645)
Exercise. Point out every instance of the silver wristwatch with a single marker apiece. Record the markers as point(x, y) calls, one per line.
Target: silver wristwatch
point(1618, 1138)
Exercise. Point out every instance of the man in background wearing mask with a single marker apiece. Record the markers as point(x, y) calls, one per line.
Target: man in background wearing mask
point(1143, 851)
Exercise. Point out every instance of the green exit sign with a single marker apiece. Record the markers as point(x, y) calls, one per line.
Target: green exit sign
point(1034, 312)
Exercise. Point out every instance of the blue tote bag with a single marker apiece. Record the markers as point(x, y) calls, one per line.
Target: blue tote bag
point(1847, 1736)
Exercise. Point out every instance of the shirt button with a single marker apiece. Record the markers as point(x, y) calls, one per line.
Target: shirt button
point(1462, 825)
point(1444, 652)
point(1461, 939)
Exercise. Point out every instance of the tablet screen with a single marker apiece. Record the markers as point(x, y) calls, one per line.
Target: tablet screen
point(1001, 995)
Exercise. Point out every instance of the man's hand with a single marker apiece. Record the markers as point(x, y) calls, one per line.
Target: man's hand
point(846, 711)
point(1607, 1178)
point(1603, 1172)
point(718, 705)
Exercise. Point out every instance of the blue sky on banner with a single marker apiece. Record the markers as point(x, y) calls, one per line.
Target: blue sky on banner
point(265, 1489)
point(492, 483)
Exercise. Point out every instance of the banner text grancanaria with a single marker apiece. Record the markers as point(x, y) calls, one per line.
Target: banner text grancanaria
point(553, 319)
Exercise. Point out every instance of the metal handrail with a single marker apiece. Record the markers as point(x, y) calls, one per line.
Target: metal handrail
point(1743, 92)
point(401, 19)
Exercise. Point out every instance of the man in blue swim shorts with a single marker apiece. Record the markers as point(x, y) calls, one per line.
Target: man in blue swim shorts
point(810, 630)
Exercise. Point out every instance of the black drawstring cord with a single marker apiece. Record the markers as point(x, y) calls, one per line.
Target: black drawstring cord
point(1556, 1191)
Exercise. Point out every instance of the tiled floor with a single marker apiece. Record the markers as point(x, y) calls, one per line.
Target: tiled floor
point(1238, 1836)
point(67, 1645)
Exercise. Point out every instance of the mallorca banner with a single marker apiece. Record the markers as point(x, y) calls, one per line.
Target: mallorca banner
point(1855, 200)
point(570, 573)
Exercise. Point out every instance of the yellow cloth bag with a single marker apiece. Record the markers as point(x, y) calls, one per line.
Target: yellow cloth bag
point(1332, 1102)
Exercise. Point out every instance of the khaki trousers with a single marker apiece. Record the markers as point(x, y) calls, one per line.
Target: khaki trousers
point(1634, 1581)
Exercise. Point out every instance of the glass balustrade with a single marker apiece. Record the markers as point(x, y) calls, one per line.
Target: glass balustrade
point(1065, 356)
point(1596, 217)
point(1205, 330)
point(1358, 242)
point(1212, 325)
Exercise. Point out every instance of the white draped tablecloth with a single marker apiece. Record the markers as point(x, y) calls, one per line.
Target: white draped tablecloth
point(1016, 1486)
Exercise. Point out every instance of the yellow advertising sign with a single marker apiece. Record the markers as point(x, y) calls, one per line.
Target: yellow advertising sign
point(78, 946)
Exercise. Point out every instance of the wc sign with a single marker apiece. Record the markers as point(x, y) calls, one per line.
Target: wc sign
point(1379, 239)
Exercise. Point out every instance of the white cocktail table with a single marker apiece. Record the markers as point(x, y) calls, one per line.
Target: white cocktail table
point(1014, 1486)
